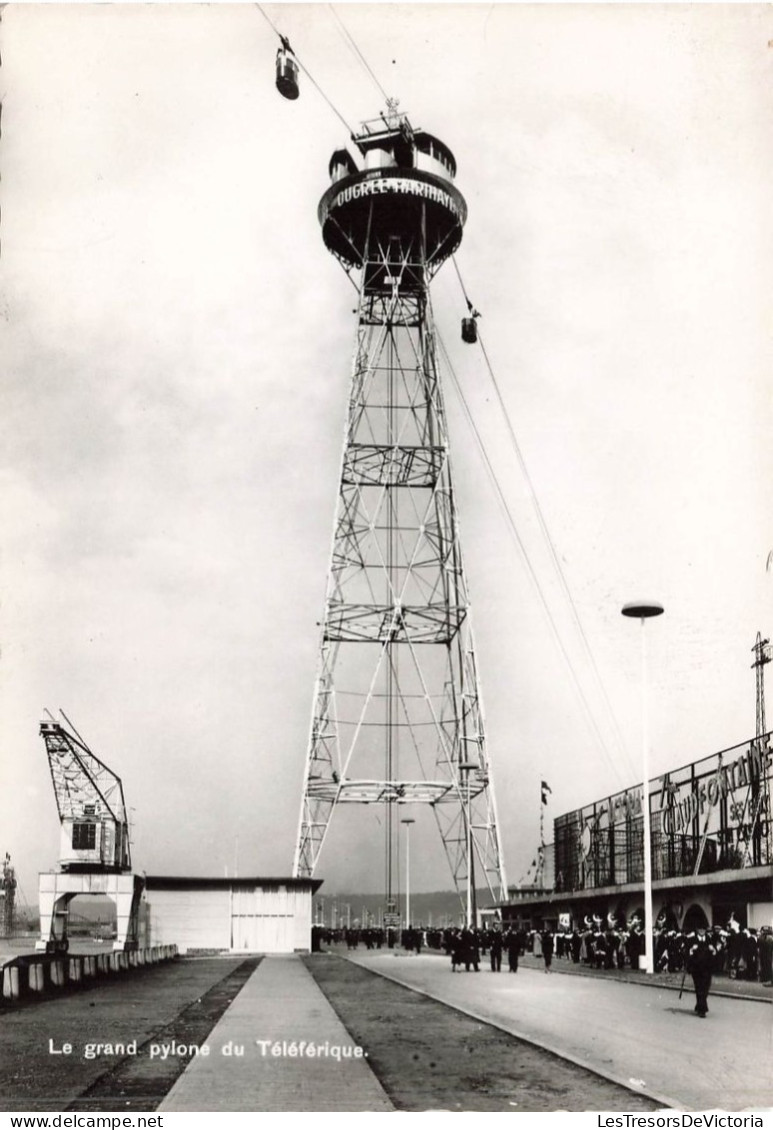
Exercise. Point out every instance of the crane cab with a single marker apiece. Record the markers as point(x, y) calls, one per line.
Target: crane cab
point(286, 73)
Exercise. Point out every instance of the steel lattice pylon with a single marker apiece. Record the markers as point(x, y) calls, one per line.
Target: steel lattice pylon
point(397, 716)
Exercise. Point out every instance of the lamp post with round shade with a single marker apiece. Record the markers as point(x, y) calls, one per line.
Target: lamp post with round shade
point(644, 610)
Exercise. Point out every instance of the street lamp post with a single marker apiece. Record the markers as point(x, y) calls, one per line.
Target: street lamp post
point(467, 767)
point(643, 610)
point(408, 820)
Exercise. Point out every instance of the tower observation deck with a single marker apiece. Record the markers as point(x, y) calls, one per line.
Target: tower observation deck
point(397, 717)
point(405, 195)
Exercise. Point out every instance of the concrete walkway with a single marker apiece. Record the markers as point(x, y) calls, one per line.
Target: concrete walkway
point(279, 1008)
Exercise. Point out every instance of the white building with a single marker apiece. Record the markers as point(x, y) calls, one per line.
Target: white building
point(229, 915)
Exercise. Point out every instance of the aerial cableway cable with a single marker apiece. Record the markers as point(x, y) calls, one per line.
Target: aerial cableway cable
point(529, 567)
point(475, 313)
point(285, 43)
point(555, 558)
point(546, 534)
point(357, 51)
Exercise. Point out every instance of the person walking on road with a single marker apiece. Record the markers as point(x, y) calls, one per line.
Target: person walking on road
point(514, 943)
point(766, 955)
point(547, 949)
point(495, 950)
point(700, 963)
point(457, 950)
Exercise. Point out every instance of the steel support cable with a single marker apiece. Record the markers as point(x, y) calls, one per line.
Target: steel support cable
point(461, 283)
point(547, 537)
point(359, 53)
point(555, 559)
point(529, 567)
point(285, 42)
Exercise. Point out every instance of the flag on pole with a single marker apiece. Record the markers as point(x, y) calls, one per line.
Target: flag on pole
point(545, 790)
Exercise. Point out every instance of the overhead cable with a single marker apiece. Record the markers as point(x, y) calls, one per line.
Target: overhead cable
point(359, 53)
point(286, 44)
point(529, 567)
point(554, 554)
point(546, 535)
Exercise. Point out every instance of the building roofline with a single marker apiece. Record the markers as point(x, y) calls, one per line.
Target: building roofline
point(692, 882)
point(159, 881)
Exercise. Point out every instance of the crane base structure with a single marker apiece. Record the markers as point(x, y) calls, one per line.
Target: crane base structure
point(56, 891)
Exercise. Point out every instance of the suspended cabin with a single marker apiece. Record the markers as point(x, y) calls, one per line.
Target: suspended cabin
point(469, 330)
point(286, 73)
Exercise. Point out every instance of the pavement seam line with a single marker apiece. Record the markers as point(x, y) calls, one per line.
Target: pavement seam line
point(668, 1102)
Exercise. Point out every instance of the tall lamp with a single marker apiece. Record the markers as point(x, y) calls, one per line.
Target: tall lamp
point(644, 610)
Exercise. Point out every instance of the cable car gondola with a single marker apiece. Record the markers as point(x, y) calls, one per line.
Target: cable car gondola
point(286, 71)
point(469, 330)
point(470, 325)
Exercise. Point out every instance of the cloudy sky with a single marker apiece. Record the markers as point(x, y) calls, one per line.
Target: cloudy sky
point(175, 355)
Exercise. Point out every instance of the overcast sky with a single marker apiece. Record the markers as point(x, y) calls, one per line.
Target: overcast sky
point(176, 350)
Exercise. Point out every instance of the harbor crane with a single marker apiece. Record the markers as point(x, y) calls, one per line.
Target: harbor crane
point(94, 853)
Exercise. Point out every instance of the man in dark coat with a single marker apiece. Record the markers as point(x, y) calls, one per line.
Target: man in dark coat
point(456, 949)
point(513, 943)
point(700, 963)
point(766, 955)
point(750, 953)
point(576, 945)
point(495, 950)
point(547, 948)
point(470, 950)
point(734, 947)
point(636, 945)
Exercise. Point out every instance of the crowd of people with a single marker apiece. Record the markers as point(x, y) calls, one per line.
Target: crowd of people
point(742, 953)
point(738, 952)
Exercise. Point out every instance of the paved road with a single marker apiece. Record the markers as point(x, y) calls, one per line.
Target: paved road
point(629, 1032)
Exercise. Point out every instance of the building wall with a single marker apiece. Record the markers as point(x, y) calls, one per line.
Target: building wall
point(680, 906)
point(238, 917)
point(190, 918)
point(271, 919)
point(760, 914)
point(301, 902)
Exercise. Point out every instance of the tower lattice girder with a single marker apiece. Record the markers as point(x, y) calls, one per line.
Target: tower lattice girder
point(397, 717)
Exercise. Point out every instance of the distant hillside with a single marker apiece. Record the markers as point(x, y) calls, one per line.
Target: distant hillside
point(437, 908)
